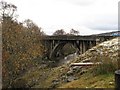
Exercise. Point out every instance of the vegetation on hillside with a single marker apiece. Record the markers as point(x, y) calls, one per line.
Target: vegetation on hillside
point(20, 45)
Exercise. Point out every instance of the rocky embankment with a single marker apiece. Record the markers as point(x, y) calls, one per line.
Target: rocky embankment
point(53, 77)
point(103, 52)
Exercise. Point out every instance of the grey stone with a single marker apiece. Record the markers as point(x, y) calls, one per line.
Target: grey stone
point(69, 73)
point(71, 78)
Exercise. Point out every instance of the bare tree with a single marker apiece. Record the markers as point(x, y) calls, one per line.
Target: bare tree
point(59, 32)
point(7, 10)
point(29, 24)
point(74, 32)
point(33, 27)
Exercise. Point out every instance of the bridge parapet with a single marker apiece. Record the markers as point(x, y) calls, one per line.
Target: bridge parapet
point(65, 37)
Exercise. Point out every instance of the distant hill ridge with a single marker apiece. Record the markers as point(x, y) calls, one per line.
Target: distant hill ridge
point(114, 33)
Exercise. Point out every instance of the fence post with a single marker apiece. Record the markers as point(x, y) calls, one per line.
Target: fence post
point(117, 80)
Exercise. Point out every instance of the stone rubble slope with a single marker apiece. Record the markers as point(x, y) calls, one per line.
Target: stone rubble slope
point(68, 73)
point(105, 50)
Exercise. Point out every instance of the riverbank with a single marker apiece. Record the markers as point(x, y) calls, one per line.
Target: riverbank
point(65, 76)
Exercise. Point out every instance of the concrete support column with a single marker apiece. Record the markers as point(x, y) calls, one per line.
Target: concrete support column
point(86, 45)
point(90, 45)
point(78, 47)
point(83, 46)
point(53, 43)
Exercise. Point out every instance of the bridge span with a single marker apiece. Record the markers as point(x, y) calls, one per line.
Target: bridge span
point(54, 44)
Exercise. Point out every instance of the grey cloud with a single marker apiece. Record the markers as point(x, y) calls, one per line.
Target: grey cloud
point(81, 2)
point(104, 27)
point(103, 22)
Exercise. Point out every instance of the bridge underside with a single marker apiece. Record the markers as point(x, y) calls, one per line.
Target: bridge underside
point(54, 45)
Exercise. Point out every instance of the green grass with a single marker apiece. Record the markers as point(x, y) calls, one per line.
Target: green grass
point(89, 81)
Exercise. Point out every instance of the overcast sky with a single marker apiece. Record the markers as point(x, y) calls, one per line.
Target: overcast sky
point(86, 16)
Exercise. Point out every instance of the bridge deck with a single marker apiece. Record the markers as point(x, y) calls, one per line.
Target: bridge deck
point(65, 37)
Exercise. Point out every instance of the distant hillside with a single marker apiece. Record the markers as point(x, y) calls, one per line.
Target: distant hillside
point(114, 33)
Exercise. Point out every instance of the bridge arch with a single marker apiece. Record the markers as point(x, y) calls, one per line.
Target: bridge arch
point(58, 47)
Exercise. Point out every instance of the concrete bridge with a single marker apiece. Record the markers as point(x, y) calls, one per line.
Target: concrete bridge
point(54, 44)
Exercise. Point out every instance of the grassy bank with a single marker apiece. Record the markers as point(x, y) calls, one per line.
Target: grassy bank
point(89, 81)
